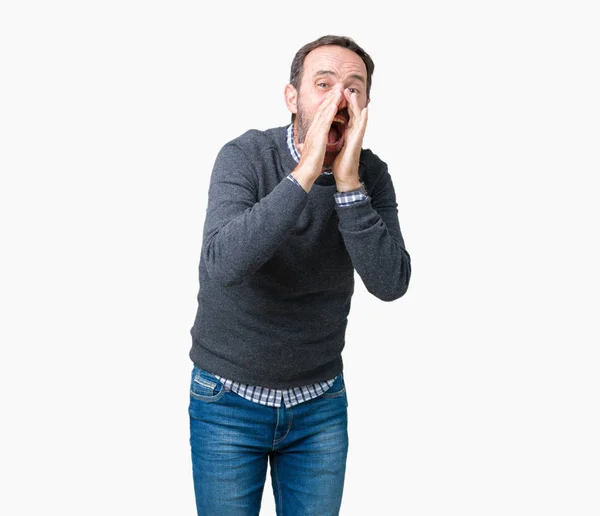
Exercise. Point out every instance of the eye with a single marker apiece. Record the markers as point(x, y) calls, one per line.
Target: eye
point(322, 85)
point(353, 90)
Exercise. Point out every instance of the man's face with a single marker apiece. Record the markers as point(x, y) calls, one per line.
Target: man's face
point(327, 68)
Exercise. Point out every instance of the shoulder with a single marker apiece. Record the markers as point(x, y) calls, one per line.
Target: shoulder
point(372, 167)
point(370, 159)
point(252, 154)
point(254, 142)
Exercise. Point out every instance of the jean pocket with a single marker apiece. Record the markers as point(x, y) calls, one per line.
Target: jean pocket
point(205, 386)
point(337, 389)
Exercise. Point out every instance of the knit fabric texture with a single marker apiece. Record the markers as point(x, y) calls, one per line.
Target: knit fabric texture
point(276, 273)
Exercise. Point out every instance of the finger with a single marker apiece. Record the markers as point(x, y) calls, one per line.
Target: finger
point(316, 137)
point(325, 113)
point(329, 105)
point(364, 117)
point(353, 107)
point(348, 95)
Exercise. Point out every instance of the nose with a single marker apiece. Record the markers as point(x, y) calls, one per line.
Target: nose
point(343, 102)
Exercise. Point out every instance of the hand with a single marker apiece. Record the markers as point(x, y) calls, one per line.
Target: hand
point(312, 151)
point(345, 165)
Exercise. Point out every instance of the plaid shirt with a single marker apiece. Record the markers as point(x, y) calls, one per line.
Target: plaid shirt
point(296, 395)
point(274, 397)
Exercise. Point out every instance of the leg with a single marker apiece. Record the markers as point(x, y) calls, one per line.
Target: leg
point(229, 459)
point(308, 465)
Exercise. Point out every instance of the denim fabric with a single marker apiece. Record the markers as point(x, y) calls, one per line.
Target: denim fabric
point(233, 439)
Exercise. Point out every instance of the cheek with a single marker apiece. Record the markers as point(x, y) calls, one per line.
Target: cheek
point(362, 101)
point(310, 104)
point(317, 101)
point(310, 108)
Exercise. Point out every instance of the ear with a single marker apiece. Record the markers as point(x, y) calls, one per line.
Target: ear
point(291, 98)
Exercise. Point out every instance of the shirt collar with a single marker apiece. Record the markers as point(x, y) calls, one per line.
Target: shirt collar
point(290, 143)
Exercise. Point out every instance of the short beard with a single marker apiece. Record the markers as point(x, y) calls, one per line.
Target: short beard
point(303, 124)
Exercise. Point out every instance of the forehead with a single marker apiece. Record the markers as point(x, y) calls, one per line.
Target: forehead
point(339, 60)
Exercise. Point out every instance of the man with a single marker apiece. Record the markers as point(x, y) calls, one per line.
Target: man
point(292, 213)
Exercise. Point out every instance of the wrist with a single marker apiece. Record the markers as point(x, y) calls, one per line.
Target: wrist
point(348, 186)
point(305, 176)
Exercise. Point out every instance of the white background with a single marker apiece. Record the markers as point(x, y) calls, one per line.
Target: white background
point(475, 394)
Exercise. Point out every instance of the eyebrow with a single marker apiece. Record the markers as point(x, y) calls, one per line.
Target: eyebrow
point(356, 76)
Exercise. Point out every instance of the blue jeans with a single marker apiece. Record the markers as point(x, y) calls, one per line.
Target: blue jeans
point(233, 439)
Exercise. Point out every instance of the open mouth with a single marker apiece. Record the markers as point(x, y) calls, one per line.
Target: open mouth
point(335, 138)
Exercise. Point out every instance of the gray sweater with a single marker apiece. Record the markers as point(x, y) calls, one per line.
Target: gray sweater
point(277, 264)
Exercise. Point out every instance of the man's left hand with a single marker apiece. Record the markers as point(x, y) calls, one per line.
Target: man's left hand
point(345, 165)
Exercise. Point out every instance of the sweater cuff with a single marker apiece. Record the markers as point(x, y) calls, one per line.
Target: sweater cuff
point(294, 180)
point(357, 216)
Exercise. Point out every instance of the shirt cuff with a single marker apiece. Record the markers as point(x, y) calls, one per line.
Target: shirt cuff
point(341, 198)
point(348, 198)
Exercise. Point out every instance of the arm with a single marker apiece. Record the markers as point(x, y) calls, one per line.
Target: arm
point(372, 235)
point(370, 227)
point(241, 232)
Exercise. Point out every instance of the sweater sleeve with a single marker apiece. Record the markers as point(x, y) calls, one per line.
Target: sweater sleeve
point(241, 231)
point(372, 236)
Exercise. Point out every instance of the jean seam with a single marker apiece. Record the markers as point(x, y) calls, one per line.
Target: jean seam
point(275, 443)
point(334, 394)
point(276, 426)
point(207, 399)
point(277, 485)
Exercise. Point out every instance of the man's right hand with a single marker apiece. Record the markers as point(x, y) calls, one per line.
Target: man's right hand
point(312, 151)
